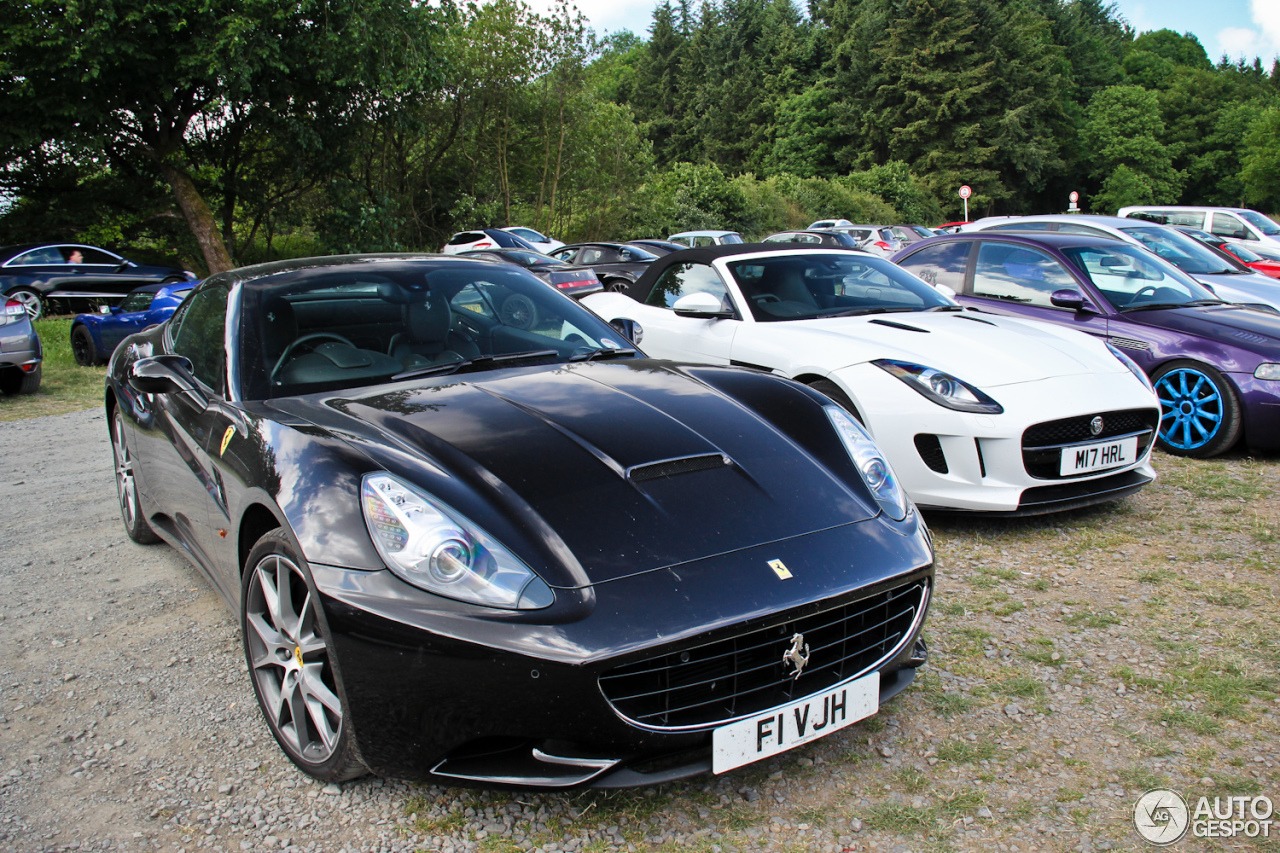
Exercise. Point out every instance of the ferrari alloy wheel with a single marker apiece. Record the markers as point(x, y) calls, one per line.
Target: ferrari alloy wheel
point(617, 285)
point(1199, 411)
point(83, 348)
point(127, 486)
point(291, 664)
point(30, 301)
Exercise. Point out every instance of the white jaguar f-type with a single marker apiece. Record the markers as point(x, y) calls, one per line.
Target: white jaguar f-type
point(974, 411)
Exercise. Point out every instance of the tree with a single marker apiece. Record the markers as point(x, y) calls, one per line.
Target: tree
point(137, 80)
point(963, 92)
point(1260, 175)
point(1123, 133)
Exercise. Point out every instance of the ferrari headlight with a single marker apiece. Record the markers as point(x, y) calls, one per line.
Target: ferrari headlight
point(942, 388)
point(870, 463)
point(1268, 370)
point(1132, 365)
point(438, 550)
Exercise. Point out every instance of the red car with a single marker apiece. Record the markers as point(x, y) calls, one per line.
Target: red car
point(1238, 252)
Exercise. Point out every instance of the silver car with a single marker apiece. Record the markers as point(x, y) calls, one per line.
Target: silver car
point(20, 352)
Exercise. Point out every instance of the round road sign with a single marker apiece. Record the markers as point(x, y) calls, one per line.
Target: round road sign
point(965, 192)
point(1073, 198)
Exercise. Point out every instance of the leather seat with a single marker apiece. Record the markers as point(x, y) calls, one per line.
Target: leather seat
point(430, 338)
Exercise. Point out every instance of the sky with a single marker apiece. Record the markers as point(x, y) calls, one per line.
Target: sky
point(1237, 28)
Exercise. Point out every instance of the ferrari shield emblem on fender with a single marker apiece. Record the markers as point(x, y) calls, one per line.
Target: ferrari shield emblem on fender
point(797, 655)
point(780, 569)
point(226, 439)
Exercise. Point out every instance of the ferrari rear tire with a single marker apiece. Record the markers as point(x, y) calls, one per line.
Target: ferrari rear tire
point(1199, 410)
point(135, 523)
point(841, 399)
point(83, 347)
point(291, 663)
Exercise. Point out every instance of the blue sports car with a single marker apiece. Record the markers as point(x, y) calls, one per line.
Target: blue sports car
point(94, 336)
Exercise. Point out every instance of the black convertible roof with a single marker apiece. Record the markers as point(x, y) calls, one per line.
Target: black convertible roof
point(707, 254)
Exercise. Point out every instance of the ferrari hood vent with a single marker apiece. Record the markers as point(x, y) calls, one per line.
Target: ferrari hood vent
point(675, 467)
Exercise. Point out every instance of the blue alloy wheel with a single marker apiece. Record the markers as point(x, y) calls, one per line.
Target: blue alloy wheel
point(1199, 414)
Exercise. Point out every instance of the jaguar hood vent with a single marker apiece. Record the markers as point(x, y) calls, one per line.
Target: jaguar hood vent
point(675, 467)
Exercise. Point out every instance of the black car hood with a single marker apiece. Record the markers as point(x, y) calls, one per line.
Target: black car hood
point(1247, 328)
point(562, 457)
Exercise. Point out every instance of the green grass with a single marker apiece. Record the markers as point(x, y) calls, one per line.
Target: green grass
point(964, 752)
point(64, 386)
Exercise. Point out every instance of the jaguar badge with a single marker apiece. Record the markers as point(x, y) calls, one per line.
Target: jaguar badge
point(797, 655)
point(1095, 425)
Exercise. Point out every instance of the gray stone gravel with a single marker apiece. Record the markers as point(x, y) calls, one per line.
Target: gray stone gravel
point(127, 722)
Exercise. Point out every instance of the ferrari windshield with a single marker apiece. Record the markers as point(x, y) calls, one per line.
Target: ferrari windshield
point(1133, 279)
point(342, 326)
point(806, 285)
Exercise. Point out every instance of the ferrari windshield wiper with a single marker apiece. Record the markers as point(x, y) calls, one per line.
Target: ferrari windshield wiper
point(479, 362)
point(946, 308)
point(601, 354)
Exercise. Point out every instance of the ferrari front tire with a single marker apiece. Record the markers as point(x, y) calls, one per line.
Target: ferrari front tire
point(291, 663)
point(135, 524)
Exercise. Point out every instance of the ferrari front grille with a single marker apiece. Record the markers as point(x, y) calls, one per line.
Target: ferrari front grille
point(705, 685)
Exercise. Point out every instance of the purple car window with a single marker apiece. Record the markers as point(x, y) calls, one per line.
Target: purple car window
point(1018, 274)
point(941, 264)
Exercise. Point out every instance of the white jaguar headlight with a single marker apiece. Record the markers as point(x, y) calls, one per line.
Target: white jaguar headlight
point(438, 550)
point(870, 462)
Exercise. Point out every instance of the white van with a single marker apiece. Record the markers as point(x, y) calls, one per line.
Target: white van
point(1231, 223)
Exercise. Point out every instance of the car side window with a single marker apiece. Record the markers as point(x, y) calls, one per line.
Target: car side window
point(139, 301)
point(591, 256)
point(682, 279)
point(1189, 220)
point(565, 255)
point(200, 336)
point(91, 256)
point(46, 255)
point(943, 264)
point(1021, 274)
point(703, 241)
point(1226, 225)
point(1022, 226)
point(1072, 228)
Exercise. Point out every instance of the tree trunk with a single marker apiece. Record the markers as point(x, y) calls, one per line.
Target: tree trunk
point(199, 219)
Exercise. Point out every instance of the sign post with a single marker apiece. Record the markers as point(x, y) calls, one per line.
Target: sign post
point(965, 192)
point(1072, 207)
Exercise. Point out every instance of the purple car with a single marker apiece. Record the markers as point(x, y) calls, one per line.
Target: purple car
point(1214, 365)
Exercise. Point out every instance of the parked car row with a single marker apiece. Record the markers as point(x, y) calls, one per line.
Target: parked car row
point(432, 481)
point(1215, 365)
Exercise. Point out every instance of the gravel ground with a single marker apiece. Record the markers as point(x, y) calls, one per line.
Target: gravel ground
point(1077, 662)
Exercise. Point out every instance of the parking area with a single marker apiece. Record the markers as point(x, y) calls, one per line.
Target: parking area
point(1077, 661)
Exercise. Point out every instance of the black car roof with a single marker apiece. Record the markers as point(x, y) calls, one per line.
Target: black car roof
point(707, 254)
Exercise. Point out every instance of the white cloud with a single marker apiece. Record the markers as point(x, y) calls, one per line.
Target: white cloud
point(1261, 40)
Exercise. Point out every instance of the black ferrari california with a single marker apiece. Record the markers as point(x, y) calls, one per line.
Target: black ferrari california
point(473, 536)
